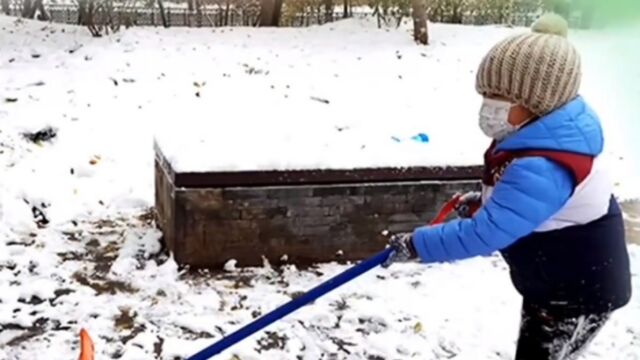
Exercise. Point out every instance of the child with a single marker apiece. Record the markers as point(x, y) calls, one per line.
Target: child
point(547, 204)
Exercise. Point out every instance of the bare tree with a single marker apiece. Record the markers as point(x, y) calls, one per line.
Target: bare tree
point(83, 7)
point(198, 12)
point(419, 15)
point(90, 19)
point(26, 8)
point(457, 12)
point(328, 10)
point(266, 12)
point(29, 9)
point(6, 7)
point(163, 14)
point(378, 14)
point(227, 9)
point(345, 9)
point(270, 11)
point(277, 12)
point(43, 14)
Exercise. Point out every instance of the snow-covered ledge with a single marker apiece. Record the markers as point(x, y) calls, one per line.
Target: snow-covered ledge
point(301, 216)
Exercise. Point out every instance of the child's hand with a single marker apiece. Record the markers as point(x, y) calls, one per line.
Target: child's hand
point(403, 249)
point(468, 204)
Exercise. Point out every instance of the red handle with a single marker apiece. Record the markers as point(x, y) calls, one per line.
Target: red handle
point(446, 210)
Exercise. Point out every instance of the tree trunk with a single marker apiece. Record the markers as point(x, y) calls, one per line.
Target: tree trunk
point(89, 19)
point(456, 14)
point(226, 13)
point(6, 7)
point(345, 9)
point(198, 13)
point(328, 10)
point(163, 15)
point(277, 12)
point(26, 8)
point(38, 5)
point(376, 13)
point(82, 12)
point(44, 14)
point(420, 30)
point(266, 12)
point(270, 11)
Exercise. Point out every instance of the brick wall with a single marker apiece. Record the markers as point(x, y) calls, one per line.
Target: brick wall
point(308, 224)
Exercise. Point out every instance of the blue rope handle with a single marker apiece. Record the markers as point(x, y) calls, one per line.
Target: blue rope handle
point(293, 305)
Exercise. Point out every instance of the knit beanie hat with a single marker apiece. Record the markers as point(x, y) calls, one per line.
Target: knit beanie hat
point(539, 70)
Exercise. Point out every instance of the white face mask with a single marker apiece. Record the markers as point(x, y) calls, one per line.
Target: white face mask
point(494, 119)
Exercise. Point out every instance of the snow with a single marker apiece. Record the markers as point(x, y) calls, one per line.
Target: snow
point(369, 105)
point(96, 261)
point(230, 265)
point(363, 75)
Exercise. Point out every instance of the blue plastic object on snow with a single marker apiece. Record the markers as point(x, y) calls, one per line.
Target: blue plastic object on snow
point(293, 305)
point(422, 137)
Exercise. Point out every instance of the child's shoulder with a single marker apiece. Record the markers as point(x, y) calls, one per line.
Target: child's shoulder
point(573, 128)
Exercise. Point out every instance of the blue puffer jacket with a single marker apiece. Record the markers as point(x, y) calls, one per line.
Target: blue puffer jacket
point(580, 268)
point(530, 191)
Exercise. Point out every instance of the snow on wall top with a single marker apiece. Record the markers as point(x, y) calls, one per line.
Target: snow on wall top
point(346, 95)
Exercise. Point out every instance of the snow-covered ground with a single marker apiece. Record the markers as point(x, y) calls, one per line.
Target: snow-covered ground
point(77, 246)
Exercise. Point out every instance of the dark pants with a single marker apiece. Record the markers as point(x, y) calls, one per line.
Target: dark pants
point(547, 336)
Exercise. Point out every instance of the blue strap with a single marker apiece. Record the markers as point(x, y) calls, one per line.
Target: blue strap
point(293, 305)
